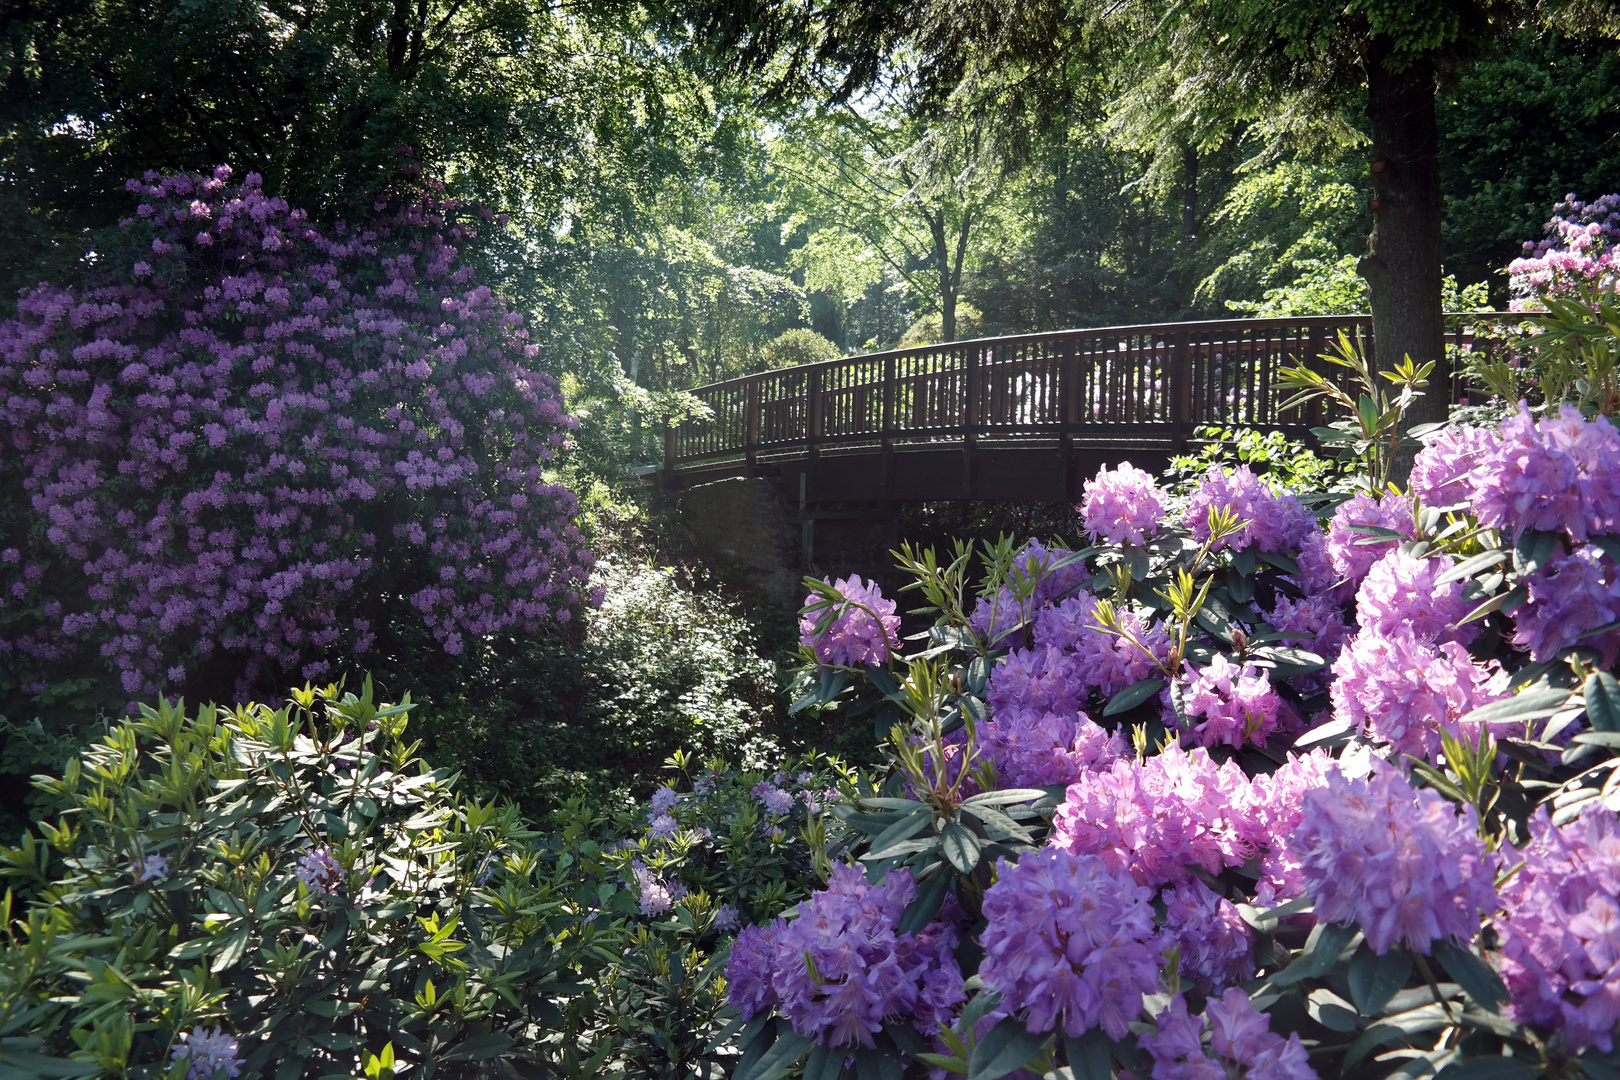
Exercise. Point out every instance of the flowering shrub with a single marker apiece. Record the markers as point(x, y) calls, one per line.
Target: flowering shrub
point(1237, 791)
point(248, 445)
point(279, 892)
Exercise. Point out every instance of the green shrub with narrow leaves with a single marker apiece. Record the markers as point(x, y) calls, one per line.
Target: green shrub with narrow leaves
point(292, 888)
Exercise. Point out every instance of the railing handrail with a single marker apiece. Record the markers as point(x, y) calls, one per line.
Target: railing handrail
point(1304, 321)
point(1163, 381)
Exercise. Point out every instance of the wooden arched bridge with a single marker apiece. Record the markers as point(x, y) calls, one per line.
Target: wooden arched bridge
point(1028, 417)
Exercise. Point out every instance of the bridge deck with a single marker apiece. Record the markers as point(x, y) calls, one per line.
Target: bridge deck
point(1026, 417)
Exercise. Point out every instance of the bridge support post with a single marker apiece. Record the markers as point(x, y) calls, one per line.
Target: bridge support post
point(751, 424)
point(1068, 414)
point(970, 432)
point(1180, 390)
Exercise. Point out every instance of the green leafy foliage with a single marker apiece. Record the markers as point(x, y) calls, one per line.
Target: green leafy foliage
point(297, 876)
point(656, 668)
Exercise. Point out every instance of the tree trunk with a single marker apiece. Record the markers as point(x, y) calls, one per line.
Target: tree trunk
point(1402, 264)
point(1189, 193)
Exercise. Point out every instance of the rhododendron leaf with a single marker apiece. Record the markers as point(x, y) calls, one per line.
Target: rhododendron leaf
point(1267, 919)
point(782, 1055)
point(1003, 796)
point(1091, 1055)
point(1608, 543)
point(997, 822)
point(1470, 567)
point(1374, 979)
point(1391, 1029)
point(1244, 561)
point(1321, 950)
point(1332, 734)
point(1438, 780)
point(480, 1047)
point(1477, 978)
point(1533, 548)
point(871, 824)
point(950, 1063)
point(1332, 1011)
point(879, 1063)
point(824, 1063)
point(895, 851)
point(884, 802)
point(1239, 586)
point(1493, 1067)
point(925, 908)
point(232, 951)
point(961, 847)
point(1132, 696)
point(1282, 562)
point(833, 682)
point(884, 680)
point(904, 829)
point(1006, 1047)
point(1522, 707)
point(1610, 739)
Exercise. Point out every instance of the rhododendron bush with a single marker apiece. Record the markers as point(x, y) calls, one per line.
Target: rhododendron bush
point(1253, 785)
point(243, 444)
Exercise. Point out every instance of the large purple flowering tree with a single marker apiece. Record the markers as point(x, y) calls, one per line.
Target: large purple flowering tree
point(245, 445)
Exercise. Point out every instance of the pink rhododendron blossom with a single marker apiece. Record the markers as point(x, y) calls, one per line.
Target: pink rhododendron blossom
point(1560, 928)
point(1353, 553)
point(1068, 943)
point(1561, 474)
point(1272, 522)
point(1123, 506)
point(1402, 863)
point(1406, 692)
point(1159, 817)
point(1271, 810)
point(863, 629)
point(1399, 594)
point(1232, 705)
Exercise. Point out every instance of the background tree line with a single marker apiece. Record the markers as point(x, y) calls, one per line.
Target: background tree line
point(687, 185)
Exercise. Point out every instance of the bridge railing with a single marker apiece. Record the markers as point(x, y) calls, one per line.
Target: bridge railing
point(1154, 383)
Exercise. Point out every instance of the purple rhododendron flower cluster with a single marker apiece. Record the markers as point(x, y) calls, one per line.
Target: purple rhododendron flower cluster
point(863, 630)
point(228, 445)
point(1234, 705)
point(1399, 594)
point(206, 1052)
point(1559, 474)
point(1158, 818)
point(1400, 862)
point(319, 871)
point(1272, 522)
point(1560, 928)
point(1406, 692)
point(1568, 596)
point(1069, 943)
point(841, 968)
point(1241, 1044)
point(1441, 473)
point(1122, 507)
point(1319, 617)
point(995, 618)
point(1353, 553)
point(1579, 247)
point(1093, 657)
point(1217, 946)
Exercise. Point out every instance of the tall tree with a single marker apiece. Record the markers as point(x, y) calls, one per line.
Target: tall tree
point(1294, 67)
point(921, 197)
